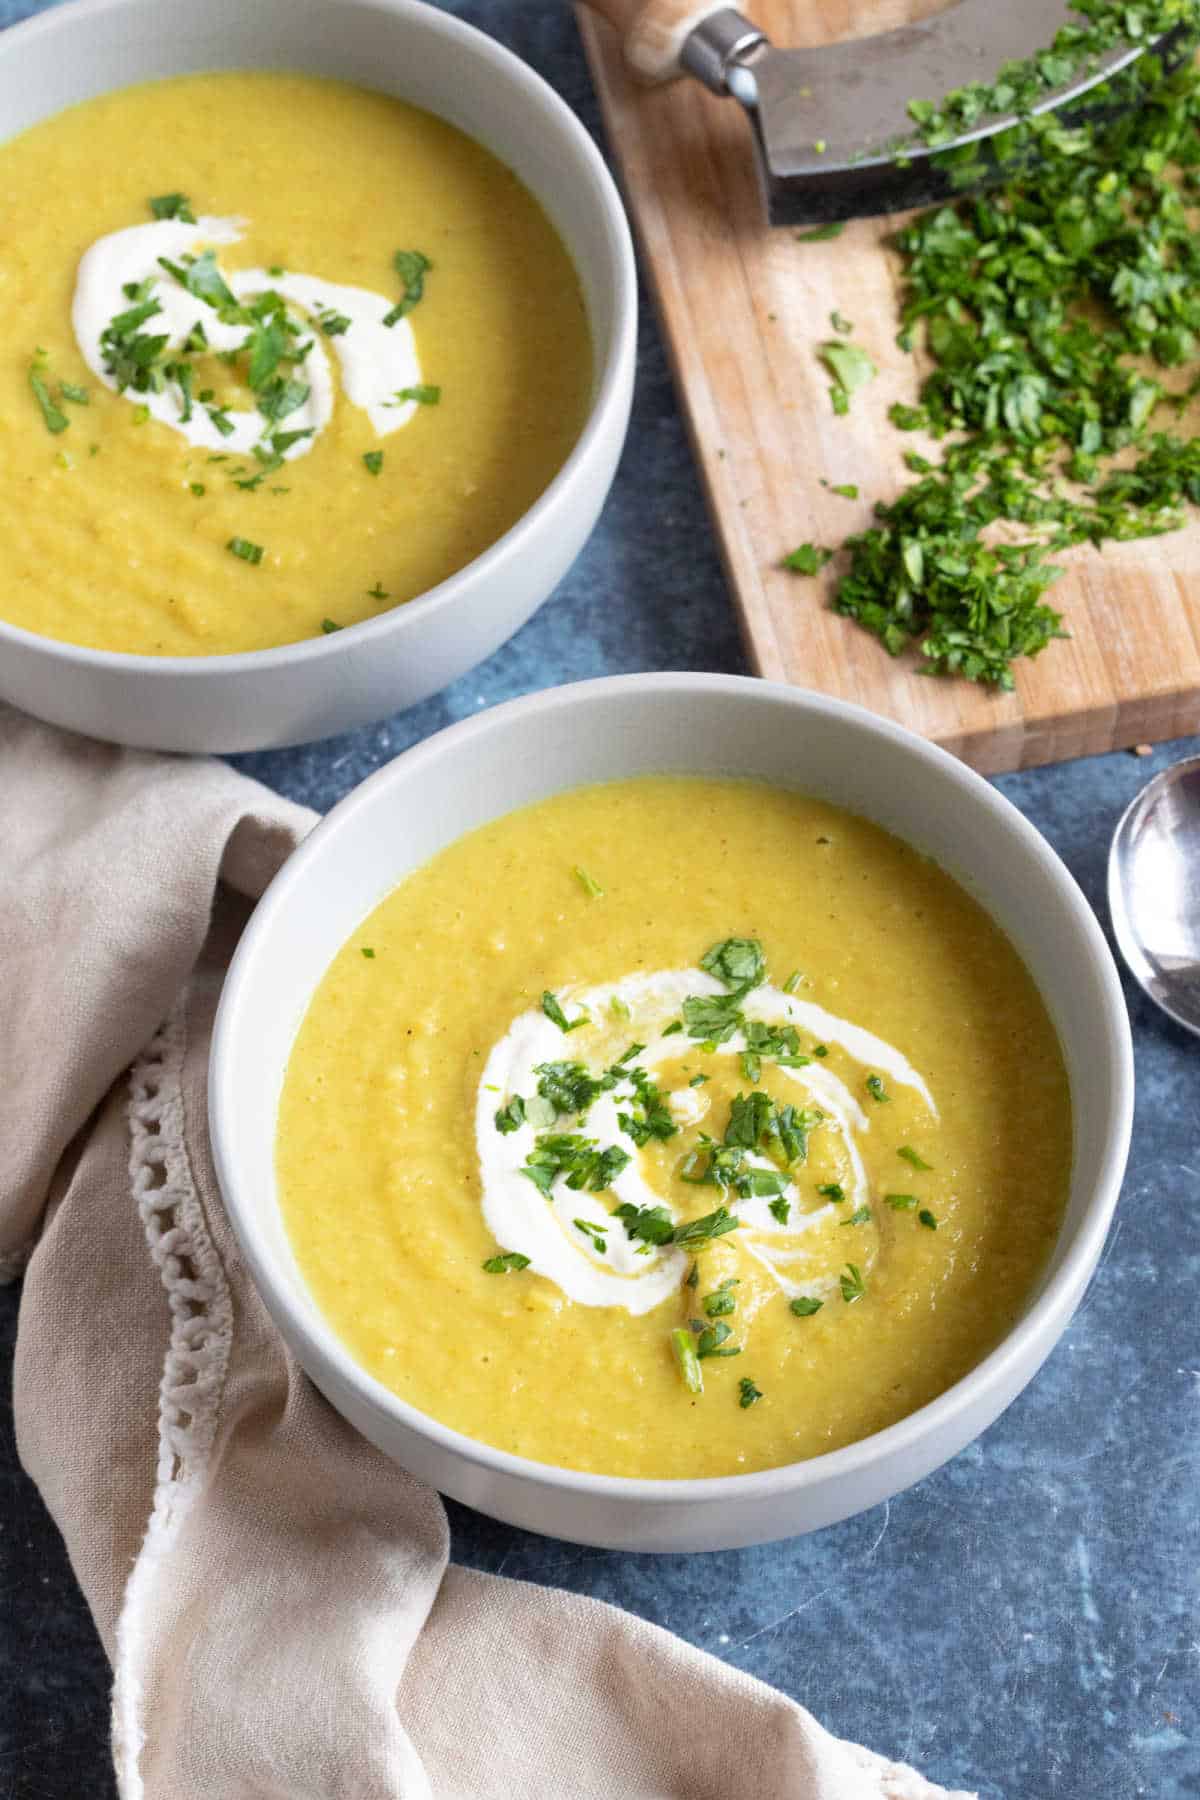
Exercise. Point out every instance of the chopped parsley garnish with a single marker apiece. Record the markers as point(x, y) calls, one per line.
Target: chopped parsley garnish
point(648, 1116)
point(698, 1080)
point(807, 559)
point(804, 1306)
point(373, 460)
point(689, 1363)
point(575, 1157)
point(901, 1202)
point(511, 1117)
point(848, 490)
point(699, 1232)
point(737, 962)
point(412, 266)
point(55, 419)
point(913, 1157)
point(594, 1232)
point(851, 369)
point(852, 1284)
point(714, 1341)
point(198, 488)
point(794, 980)
point(588, 883)
point(876, 1088)
point(832, 1190)
point(927, 1218)
point(328, 625)
point(747, 1392)
point(333, 324)
point(557, 1016)
point(671, 1029)
point(424, 394)
point(78, 396)
point(172, 206)
point(781, 1209)
point(242, 547)
point(842, 326)
point(368, 952)
point(569, 1087)
point(821, 234)
point(720, 1303)
point(501, 1265)
point(201, 277)
point(378, 592)
point(860, 1216)
point(647, 1224)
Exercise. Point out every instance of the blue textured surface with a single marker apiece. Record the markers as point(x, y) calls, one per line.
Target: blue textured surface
point(1025, 1621)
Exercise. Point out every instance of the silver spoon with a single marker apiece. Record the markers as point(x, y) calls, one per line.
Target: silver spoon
point(1154, 890)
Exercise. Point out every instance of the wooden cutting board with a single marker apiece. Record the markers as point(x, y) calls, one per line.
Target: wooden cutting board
point(744, 307)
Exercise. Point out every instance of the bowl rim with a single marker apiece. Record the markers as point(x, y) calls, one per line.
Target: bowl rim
point(1024, 1346)
point(604, 412)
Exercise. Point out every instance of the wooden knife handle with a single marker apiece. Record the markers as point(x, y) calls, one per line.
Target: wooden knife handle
point(653, 31)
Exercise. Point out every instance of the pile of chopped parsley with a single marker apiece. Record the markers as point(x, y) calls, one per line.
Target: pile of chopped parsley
point(1061, 311)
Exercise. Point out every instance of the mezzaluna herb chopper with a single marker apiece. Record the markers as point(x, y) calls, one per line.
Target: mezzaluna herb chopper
point(835, 130)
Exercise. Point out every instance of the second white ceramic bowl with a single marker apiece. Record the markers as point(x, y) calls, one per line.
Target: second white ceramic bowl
point(353, 677)
point(598, 731)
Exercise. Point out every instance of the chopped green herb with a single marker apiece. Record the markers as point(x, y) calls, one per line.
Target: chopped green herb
point(501, 1265)
point(242, 547)
point(557, 1016)
point(378, 592)
point(850, 367)
point(927, 1218)
point(368, 952)
point(688, 1361)
point(737, 962)
point(901, 1202)
point(78, 396)
point(747, 1392)
point(821, 234)
point(55, 419)
point(575, 1157)
point(781, 1208)
point(673, 1028)
point(852, 1284)
point(794, 980)
point(914, 1157)
point(876, 1088)
point(698, 1080)
point(412, 266)
point(699, 1232)
point(807, 559)
point(832, 1190)
point(333, 324)
point(720, 1303)
point(847, 489)
point(423, 395)
point(374, 460)
point(201, 277)
point(840, 323)
point(647, 1224)
point(594, 1232)
point(804, 1306)
point(618, 1008)
point(588, 883)
point(172, 206)
point(714, 1341)
point(860, 1216)
point(328, 625)
point(197, 488)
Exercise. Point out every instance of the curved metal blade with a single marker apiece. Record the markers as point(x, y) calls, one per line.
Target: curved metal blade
point(830, 121)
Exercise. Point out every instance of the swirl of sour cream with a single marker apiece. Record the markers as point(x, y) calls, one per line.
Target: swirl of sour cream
point(376, 361)
point(626, 1272)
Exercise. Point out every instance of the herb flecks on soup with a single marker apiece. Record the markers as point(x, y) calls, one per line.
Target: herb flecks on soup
point(674, 1128)
point(285, 353)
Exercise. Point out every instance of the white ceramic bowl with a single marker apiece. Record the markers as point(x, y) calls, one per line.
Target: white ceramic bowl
point(311, 689)
point(603, 730)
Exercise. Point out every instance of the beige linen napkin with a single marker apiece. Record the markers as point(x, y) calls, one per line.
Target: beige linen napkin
point(274, 1595)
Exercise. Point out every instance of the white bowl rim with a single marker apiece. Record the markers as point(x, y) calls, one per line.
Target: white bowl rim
point(606, 400)
point(1038, 1328)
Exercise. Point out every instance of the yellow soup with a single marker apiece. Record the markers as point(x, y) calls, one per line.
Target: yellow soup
point(207, 507)
point(791, 1169)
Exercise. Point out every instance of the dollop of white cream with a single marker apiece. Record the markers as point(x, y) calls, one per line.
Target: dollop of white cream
point(626, 1272)
point(376, 361)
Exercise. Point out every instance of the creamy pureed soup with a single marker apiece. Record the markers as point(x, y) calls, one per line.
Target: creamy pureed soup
point(280, 354)
point(674, 1128)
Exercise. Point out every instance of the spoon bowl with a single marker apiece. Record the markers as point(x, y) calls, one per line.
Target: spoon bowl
point(1154, 890)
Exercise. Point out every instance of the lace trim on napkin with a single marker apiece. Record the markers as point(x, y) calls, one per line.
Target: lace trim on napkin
point(197, 1355)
